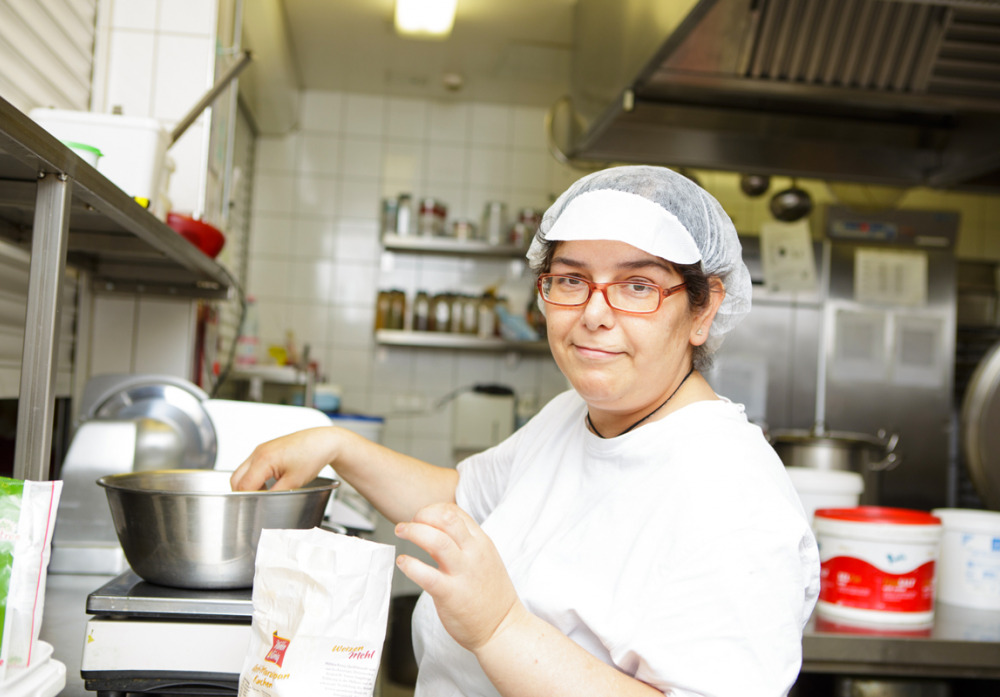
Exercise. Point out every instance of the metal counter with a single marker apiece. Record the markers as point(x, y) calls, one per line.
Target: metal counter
point(962, 643)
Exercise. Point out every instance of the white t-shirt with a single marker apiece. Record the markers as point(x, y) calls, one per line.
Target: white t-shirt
point(678, 553)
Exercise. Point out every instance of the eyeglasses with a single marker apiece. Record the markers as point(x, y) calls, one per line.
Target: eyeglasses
point(624, 296)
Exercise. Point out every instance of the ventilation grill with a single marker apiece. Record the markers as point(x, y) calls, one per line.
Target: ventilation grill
point(908, 46)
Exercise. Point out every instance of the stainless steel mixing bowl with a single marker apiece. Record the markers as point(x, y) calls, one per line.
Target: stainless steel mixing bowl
point(188, 529)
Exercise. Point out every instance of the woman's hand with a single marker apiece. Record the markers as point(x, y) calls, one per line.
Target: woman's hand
point(472, 591)
point(292, 461)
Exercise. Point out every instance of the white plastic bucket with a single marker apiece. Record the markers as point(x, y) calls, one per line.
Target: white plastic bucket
point(826, 488)
point(877, 565)
point(969, 564)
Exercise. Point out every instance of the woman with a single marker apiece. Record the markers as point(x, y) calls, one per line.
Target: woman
point(638, 536)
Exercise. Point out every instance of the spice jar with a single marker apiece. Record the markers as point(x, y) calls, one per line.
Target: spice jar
point(422, 312)
point(440, 313)
point(494, 226)
point(404, 212)
point(431, 219)
point(470, 314)
point(383, 306)
point(455, 325)
point(463, 230)
point(486, 325)
point(397, 309)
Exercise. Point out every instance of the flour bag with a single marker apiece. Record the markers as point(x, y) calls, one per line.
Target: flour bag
point(320, 609)
point(27, 517)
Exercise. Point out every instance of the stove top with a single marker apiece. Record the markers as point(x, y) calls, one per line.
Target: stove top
point(128, 596)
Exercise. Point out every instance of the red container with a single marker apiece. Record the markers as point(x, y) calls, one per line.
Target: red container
point(877, 564)
point(208, 238)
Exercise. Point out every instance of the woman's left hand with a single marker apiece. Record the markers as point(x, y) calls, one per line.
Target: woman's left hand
point(472, 590)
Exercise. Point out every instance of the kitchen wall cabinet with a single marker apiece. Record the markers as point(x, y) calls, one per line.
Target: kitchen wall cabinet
point(445, 246)
point(64, 211)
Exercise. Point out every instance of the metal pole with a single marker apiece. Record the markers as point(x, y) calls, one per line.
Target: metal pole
point(210, 96)
point(39, 357)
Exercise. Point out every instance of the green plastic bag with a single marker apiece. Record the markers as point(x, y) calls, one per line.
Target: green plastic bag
point(27, 518)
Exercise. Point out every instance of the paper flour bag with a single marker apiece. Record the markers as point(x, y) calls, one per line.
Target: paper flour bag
point(27, 518)
point(320, 609)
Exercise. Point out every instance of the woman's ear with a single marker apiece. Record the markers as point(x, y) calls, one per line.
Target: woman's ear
point(703, 318)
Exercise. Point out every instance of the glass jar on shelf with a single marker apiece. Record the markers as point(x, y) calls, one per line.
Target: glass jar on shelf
point(421, 312)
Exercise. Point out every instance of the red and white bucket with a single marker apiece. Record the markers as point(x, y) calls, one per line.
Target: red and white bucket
point(877, 565)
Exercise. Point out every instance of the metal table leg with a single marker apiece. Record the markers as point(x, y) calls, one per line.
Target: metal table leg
point(36, 401)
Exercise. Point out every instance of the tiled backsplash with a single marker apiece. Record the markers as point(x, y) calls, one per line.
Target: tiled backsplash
point(316, 260)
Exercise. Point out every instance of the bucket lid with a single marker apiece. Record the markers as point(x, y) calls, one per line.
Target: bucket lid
point(83, 146)
point(816, 481)
point(969, 520)
point(879, 514)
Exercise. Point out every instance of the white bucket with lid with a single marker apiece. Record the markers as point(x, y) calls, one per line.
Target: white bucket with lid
point(969, 564)
point(877, 565)
point(826, 488)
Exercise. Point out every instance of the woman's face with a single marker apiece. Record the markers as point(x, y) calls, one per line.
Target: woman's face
point(622, 363)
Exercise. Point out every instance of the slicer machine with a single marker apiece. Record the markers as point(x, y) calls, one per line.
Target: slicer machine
point(140, 422)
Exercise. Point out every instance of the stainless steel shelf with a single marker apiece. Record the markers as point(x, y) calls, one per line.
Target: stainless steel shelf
point(464, 342)
point(63, 211)
point(123, 246)
point(416, 244)
point(963, 643)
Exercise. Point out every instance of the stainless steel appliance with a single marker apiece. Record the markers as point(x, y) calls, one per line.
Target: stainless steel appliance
point(869, 349)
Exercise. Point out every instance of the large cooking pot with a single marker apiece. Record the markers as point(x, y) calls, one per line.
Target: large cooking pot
point(867, 455)
point(188, 529)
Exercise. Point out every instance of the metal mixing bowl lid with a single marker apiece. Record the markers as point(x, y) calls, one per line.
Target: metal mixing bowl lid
point(176, 405)
point(980, 435)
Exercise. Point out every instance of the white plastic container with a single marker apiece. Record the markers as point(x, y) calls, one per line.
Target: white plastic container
point(969, 564)
point(133, 149)
point(826, 488)
point(877, 565)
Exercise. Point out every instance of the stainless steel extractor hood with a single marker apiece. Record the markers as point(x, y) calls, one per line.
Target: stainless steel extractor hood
point(892, 92)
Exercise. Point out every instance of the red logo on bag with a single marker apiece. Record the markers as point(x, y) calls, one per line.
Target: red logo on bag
point(278, 647)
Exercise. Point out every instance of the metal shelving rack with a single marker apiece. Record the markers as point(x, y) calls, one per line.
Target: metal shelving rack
point(63, 211)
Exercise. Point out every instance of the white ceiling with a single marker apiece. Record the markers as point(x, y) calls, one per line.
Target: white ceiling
point(511, 51)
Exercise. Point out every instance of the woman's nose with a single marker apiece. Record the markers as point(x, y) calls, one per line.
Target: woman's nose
point(598, 310)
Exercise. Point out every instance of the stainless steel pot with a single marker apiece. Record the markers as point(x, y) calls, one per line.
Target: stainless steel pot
point(867, 455)
point(188, 529)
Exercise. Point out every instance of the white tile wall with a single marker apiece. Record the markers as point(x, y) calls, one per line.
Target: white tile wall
point(159, 61)
point(317, 264)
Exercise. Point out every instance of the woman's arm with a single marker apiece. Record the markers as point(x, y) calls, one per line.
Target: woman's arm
point(521, 654)
point(395, 484)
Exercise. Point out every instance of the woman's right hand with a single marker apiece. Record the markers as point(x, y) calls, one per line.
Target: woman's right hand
point(292, 461)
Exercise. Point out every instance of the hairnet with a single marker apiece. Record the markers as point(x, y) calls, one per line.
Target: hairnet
point(691, 215)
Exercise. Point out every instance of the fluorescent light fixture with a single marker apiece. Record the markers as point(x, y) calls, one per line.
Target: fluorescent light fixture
point(425, 18)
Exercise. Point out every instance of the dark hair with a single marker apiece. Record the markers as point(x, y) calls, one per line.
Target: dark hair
point(698, 290)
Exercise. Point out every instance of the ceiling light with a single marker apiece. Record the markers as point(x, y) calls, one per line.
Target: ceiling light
point(425, 18)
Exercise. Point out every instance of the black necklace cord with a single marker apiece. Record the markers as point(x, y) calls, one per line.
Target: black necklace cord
point(598, 433)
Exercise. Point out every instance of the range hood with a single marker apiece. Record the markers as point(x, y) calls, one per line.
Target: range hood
point(890, 92)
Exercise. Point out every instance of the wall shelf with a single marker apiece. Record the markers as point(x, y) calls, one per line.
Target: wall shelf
point(416, 244)
point(464, 342)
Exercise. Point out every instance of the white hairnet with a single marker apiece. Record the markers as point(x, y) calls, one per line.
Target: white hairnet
point(692, 214)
